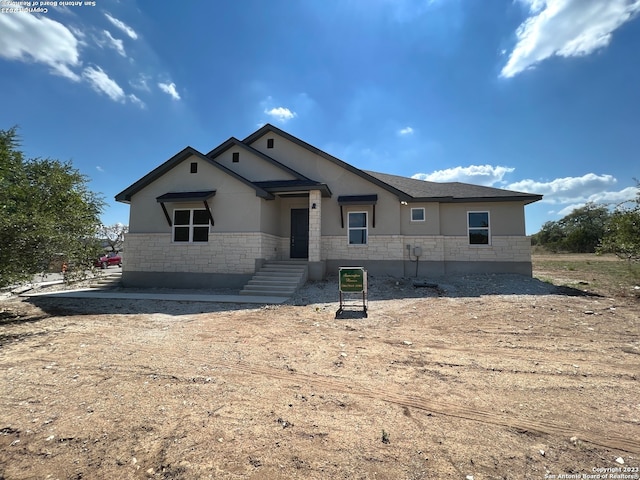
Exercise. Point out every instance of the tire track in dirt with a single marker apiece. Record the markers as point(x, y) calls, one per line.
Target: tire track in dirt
point(545, 358)
point(602, 439)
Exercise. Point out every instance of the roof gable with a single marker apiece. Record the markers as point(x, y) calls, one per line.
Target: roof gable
point(268, 128)
point(187, 152)
point(234, 142)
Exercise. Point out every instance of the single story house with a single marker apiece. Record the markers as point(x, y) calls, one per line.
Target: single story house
point(208, 220)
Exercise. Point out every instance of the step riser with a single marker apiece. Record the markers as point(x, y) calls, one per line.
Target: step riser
point(277, 279)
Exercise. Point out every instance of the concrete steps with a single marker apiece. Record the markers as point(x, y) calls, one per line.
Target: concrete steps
point(108, 280)
point(277, 279)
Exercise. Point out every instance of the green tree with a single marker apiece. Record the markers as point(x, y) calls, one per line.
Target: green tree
point(584, 228)
point(622, 234)
point(550, 236)
point(578, 232)
point(46, 210)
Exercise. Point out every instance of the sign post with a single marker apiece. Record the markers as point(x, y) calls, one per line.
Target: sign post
point(352, 280)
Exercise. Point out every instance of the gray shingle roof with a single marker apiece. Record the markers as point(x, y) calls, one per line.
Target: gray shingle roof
point(451, 191)
point(406, 189)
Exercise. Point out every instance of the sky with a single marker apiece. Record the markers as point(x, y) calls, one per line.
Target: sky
point(537, 96)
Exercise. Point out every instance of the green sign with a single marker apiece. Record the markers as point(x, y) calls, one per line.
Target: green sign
point(353, 279)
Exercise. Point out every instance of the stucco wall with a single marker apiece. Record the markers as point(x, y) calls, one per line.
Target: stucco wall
point(252, 167)
point(505, 218)
point(235, 206)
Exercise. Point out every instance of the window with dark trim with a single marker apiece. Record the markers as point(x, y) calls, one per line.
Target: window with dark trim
point(417, 214)
point(190, 225)
point(269, 142)
point(357, 228)
point(194, 167)
point(236, 157)
point(478, 228)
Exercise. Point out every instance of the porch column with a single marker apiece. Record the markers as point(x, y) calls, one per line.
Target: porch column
point(315, 222)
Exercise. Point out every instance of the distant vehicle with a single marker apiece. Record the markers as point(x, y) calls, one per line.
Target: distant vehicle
point(111, 258)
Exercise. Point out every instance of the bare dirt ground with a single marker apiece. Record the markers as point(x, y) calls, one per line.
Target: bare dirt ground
point(485, 377)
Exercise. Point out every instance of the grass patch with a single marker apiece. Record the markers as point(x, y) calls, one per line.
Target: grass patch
point(604, 274)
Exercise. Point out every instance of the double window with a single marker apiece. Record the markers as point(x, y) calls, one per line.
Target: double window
point(357, 226)
point(190, 225)
point(478, 228)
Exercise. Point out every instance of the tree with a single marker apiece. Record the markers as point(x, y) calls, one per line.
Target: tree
point(112, 236)
point(622, 234)
point(578, 232)
point(584, 228)
point(550, 236)
point(46, 210)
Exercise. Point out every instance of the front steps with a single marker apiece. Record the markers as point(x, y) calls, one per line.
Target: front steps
point(277, 279)
point(107, 280)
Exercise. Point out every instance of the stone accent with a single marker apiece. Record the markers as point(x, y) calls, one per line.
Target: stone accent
point(223, 253)
point(380, 247)
point(502, 248)
point(436, 248)
point(239, 253)
point(315, 217)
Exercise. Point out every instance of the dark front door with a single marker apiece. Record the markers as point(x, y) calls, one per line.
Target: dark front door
point(299, 233)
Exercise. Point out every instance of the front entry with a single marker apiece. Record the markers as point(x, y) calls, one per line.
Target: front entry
point(299, 245)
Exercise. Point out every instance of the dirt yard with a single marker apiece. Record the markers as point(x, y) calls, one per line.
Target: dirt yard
point(484, 377)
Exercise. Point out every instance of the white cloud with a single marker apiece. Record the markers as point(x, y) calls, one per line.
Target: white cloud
point(405, 131)
point(566, 28)
point(27, 38)
point(122, 26)
point(136, 101)
point(141, 83)
point(567, 189)
point(100, 169)
point(487, 175)
point(114, 43)
point(102, 83)
point(281, 114)
point(169, 89)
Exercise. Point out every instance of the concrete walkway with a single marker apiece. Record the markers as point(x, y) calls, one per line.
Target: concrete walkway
point(171, 296)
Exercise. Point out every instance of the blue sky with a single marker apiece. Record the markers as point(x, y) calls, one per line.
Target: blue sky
point(531, 95)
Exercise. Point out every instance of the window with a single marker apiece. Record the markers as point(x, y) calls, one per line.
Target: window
point(478, 226)
point(417, 214)
point(236, 157)
point(194, 167)
point(357, 227)
point(269, 142)
point(190, 226)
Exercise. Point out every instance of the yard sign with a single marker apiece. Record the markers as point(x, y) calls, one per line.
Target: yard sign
point(352, 280)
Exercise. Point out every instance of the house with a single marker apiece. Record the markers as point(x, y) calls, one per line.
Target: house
point(209, 220)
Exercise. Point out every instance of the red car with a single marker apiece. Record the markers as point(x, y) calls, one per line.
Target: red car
point(111, 258)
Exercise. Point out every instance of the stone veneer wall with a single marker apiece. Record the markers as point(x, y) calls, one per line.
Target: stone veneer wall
point(237, 253)
point(223, 253)
point(434, 248)
point(502, 249)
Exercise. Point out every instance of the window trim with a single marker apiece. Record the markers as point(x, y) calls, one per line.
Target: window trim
point(365, 228)
point(191, 226)
point(487, 228)
point(424, 214)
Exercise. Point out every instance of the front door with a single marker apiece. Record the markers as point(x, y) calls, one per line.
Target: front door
point(299, 233)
